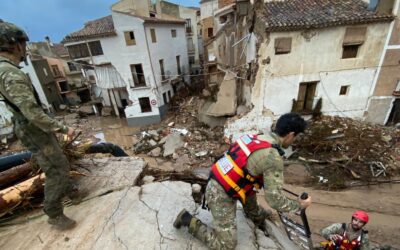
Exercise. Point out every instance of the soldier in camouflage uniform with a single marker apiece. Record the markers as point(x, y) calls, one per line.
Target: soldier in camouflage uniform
point(263, 162)
point(32, 126)
point(348, 236)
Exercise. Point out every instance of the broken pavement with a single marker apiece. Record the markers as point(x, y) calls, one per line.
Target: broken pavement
point(120, 214)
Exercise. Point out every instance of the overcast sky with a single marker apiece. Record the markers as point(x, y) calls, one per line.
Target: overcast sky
point(57, 18)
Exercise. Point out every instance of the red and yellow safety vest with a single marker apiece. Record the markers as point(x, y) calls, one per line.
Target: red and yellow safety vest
point(230, 171)
point(345, 243)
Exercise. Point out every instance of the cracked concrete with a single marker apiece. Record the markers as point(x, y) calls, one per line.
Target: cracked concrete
point(120, 215)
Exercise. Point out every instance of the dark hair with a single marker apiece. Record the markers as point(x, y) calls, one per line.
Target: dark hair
point(290, 122)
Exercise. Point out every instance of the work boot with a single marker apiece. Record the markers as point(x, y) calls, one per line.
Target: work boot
point(183, 219)
point(62, 222)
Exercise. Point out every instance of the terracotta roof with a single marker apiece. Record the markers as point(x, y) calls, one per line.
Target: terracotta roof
point(97, 28)
point(165, 19)
point(306, 14)
point(59, 49)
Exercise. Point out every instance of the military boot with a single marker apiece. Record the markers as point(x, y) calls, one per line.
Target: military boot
point(62, 222)
point(183, 219)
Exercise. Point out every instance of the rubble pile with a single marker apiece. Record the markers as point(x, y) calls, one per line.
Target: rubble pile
point(362, 151)
point(181, 137)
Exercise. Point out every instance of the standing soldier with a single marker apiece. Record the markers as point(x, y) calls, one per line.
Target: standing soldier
point(32, 126)
point(251, 162)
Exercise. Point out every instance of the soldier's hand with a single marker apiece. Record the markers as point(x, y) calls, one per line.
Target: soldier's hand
point(335, 237)
point(70, 133)
point(305, 203)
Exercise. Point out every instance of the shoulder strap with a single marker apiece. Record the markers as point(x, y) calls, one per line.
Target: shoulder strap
point(280, 150)
point(9, 103)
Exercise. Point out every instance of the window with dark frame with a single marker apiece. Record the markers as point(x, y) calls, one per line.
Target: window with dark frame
point(283, 45)
point(344, 90)
point(210, 32)
point(95, 48)
point(169, 95)
point(138, 75)
point(78, 51)
point(178, 64)
point(163, 76)
point(188, 25)
point(72, 67)
point(354, 37)
point(350, 51)
point(145, 105)
point(173, 33)
point(153, 35)
point(56, 71)
point(129, 38)
point(64, 87)
point(164, 95)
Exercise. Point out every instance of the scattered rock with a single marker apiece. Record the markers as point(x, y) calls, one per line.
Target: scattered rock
point(173, 142)
point(196, 188)
point(201, 153)
point(106, 111)
point(182, 160)
point(171, 124)
point(86, 110)
point(62, 106)
point(206, 93)
point(114, 126)
point(155, 152)
point(148, 179)
point(175, 156)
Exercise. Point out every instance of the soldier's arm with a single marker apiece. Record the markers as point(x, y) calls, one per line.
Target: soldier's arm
point(271, 164)
point(19, 93)
point(332, 229)
point(365, 242)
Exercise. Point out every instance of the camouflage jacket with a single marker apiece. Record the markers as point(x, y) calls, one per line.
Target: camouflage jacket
point(337, 228)
point(16, 89)
point(269, 163)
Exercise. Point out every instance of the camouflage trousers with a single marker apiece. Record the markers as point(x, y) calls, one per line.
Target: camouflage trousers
point(52, 161)
point(223, 210)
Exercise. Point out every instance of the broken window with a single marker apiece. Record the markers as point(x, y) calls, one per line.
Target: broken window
point(129, 38)
point(138, 75)
point(223, 19)
point(164, 95)
point(153, 35)
point(163, 76)
point(78, 51)
point(178, 64)
point(283, 45)
point(72, 67)
point(173, 33)
point(56, 71)
point(210, 32)
point(95, 48)
point(305, 97)
point(144, 103)
point(188, 25)
point(353, 39)
point(344, 90)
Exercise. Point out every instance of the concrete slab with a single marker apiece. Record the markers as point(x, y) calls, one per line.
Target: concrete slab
point(124, 216)
point(226, 98)
point(173, 142)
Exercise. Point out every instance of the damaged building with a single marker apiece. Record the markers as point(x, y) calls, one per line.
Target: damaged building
point(139, 61)
point(284, 56)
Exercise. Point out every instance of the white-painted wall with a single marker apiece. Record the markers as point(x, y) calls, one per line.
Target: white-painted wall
point(319, 59)
point(186, 13)
point(207, 8)
point(28, 69)
point(121, 56)
point(279, 91)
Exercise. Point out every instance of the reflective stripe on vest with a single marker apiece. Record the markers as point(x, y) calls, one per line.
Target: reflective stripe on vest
point(230, 171)
point(345, 243)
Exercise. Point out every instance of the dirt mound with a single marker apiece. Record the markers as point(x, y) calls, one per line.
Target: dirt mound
point(341, 149)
